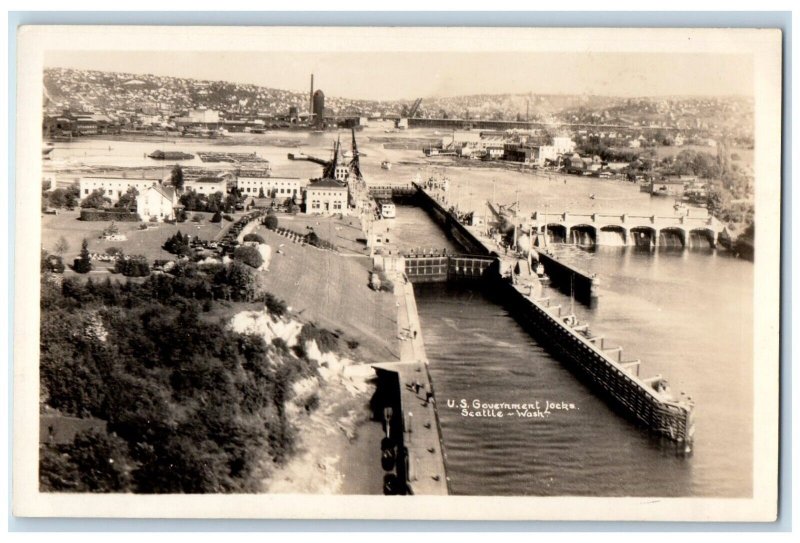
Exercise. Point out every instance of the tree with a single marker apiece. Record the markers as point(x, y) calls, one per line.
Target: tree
point(96, 199)
point(271, 221)
point(241, 281)
point(253, 237)
point(215, 202)
point(176, 178)
point(61, 246)
point(102, 461)
point(128, 200)
point(229, 204)
point(275, 305)
point(261, 192)
point(716, 201)
point(83, 264)
point(57, 471)
point(57, 198)
point(133, 266)
point(217, 217)
point(71, 195)
point(249, 255)
point(178, 244)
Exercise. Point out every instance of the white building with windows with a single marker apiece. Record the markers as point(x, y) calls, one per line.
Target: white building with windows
point(563, 145)
point(207, 185)
point(114, 187)
point(278, 187)
point(157, 203)
point(326, 196)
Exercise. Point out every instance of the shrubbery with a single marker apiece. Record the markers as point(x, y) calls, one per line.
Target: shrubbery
point(52, 263)
point(217, 217)
point(315, 241)
point(275, 305)
point(326, 340)
point(94, 462)
point(133, 266)
point(108, 215)
point(271, 221)
point(249, 255)
point(178, 244)
point(96, 199)
point(253, 237)
point(66, 197)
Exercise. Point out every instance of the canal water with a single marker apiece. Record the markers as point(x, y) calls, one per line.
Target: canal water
point(685, 314)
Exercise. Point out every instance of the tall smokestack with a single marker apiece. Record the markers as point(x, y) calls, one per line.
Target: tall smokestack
point(311, 96)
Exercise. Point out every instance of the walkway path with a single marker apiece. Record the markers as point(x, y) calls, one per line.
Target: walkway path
point(421, 435)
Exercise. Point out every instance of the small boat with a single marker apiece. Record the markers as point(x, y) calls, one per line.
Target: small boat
point(47, 149)
point(386, 165)
point(591, 196)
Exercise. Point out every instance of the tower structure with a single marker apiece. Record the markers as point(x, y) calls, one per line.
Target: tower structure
point(311, 96)
point(318, 106)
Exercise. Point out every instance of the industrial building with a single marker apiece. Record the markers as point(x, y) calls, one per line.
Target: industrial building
point(256, 183)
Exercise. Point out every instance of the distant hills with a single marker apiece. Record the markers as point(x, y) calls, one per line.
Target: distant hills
point(119, 91)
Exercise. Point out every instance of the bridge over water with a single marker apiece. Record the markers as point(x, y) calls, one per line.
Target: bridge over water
point(627, 229)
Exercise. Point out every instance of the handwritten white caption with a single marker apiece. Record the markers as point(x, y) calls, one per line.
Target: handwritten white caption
point(537, 409)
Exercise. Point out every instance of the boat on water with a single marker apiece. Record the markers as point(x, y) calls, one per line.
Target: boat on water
point(158, 154)
point(47, 148)
point(387, 208)
point(386, 165)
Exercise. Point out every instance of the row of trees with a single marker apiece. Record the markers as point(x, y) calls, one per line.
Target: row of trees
point(213, 203)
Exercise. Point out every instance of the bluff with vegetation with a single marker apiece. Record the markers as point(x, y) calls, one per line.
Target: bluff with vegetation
point(191, 406)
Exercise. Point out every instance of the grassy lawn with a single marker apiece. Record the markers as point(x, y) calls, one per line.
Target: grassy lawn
point(344, 233)
point(140, 242)
point(332, 290)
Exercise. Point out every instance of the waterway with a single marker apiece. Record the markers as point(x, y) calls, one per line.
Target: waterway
point(680, 312)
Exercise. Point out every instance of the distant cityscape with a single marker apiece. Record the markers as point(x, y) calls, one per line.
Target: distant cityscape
point(107, 101)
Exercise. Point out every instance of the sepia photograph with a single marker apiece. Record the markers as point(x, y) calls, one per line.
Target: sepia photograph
point(398, 273)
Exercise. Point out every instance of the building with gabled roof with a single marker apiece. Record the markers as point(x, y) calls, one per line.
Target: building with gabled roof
point(157, 203)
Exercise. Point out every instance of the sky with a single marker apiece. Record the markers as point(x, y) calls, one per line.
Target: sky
point(394, 76)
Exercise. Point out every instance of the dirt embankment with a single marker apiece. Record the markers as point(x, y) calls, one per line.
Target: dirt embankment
point(332, 434)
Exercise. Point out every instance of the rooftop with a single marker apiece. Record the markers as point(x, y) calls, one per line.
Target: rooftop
point(325, 183)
